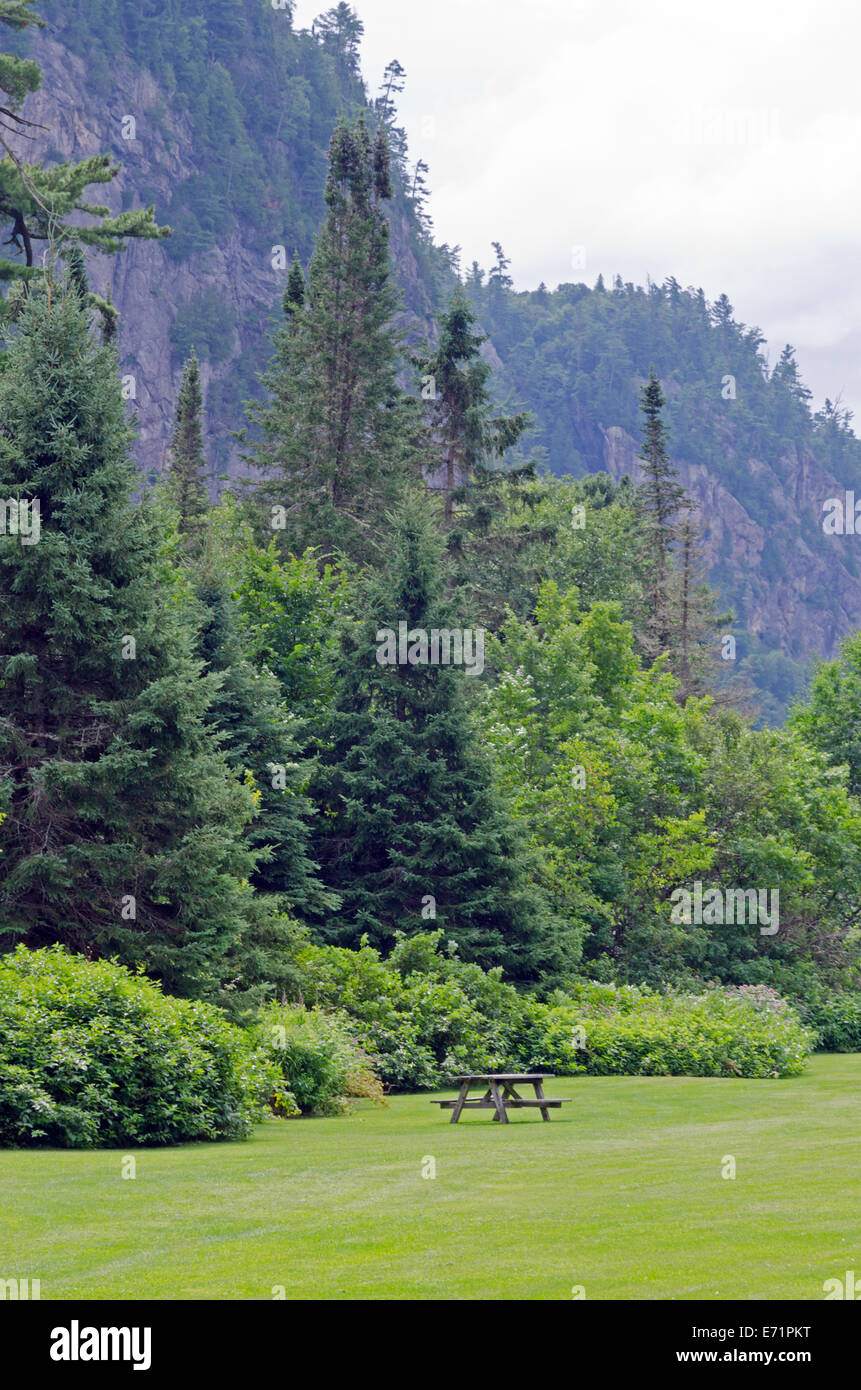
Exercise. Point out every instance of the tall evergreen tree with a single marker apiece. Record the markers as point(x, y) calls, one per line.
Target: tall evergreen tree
point(661, 498)
point(481, 487)
point(294, 293)
point(412, 828)
point(787, 373)
point(340, 31)
point(262, 738)
point(187, 467)
point(391, 86)
point(499, 281)
point(466, 434)
point(721, 310)
point(695, 620)
point(124, 825)
point(335, 431)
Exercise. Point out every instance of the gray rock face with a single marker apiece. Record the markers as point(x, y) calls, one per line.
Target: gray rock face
point(148, 285)
point(145, 284)
point(776, 572)
point(781, 570)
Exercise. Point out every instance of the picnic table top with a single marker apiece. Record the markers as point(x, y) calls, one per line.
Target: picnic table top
point(505, 1076)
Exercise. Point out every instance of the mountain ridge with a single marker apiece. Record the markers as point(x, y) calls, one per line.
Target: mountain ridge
point(758, 463)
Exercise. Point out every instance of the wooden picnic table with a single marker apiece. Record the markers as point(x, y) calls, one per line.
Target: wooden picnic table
point(501, 1094)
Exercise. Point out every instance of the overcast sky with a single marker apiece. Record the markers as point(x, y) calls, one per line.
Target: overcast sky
point(718, 143)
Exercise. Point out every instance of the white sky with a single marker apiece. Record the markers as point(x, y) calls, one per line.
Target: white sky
point(719, 143)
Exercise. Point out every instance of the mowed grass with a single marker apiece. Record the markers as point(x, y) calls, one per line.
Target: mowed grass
point(621, 1193)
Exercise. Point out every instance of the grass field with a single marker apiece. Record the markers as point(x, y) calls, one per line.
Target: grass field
point(621, 1193)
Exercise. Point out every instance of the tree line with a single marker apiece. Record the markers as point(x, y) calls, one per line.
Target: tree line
point(202, 762)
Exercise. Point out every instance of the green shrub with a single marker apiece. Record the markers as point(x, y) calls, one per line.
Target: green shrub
point(749, 1031)
point(321, 1065)
point(427, 1017)
point(424, 1017)
point(837, 1021)
point(93, 1055)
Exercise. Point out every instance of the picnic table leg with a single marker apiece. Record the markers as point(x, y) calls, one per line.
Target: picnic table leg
point(509, 1092)
point(539, 1095)
point(501, 1113)
point(458, 1105)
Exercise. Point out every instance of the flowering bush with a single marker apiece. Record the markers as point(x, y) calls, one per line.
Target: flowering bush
point(747, 1031)
point(426, 1017)
point(91, 1054)
point(321, 1065)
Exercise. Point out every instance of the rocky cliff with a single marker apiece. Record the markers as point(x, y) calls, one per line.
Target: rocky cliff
point(777, 601)
point(223, 299)
point(574, 357)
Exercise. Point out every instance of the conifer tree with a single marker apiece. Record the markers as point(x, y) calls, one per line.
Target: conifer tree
point(499, 281)
point(124, 825)
point(385, 110)
point(391, 86)
point(787, 373)
point(335, 433)
point(412, 828)
point(294, 293)
point(187, 467)
point(661, 498)
point(340, 31)
point(466, 434)
point(259, 737)
point(468, 445)
point(695, 619)
point(721, 311)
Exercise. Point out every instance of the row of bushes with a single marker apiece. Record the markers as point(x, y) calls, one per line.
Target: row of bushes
point(836, 1020)
point(427, 1017)
point(92, 1054)
point(748, 1031)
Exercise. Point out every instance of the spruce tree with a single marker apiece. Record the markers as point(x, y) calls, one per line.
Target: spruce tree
point(412, 828)
point(187, 467)
point(124, 825)
point(695, 619)
point(661, 498)
point(457, 402)
point(262, 738)
point(335, 436)
point(467, 436)
point(294, 294)
point(468, 442)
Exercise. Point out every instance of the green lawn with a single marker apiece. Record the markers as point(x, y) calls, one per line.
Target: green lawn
point(621, 1193)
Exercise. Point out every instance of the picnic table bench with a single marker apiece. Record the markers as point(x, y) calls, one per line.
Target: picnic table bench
point(501, 1094)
